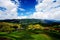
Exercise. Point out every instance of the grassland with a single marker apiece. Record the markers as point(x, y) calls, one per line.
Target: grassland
point(16, 31)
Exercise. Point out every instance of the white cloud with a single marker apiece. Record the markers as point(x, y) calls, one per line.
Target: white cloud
point(47, 9)
point(21, 9)
point(22, 17)
point(11, 10)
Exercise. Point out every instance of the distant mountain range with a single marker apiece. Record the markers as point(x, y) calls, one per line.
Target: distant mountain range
point(31, 21)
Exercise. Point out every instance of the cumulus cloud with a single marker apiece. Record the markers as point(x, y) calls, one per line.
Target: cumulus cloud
point(11, 9)
point(22, 17)
point(47, 9)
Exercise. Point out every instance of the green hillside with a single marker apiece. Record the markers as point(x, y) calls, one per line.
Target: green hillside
point(28, 30)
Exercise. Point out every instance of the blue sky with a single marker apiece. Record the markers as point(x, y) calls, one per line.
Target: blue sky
point(23, 9)
point(28, 6)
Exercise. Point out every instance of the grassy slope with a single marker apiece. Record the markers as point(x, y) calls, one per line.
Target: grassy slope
point(17, 35)
point(41, 37)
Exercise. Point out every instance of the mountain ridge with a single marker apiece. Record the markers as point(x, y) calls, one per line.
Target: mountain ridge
point(30, 20)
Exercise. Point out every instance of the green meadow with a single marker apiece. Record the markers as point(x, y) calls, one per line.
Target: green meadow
point(17, 31)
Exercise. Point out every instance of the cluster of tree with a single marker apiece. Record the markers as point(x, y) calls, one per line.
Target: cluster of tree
point(8, 27)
